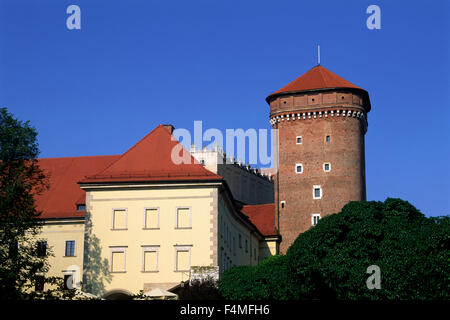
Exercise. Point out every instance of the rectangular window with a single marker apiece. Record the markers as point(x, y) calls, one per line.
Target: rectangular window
point(42, 248)
point(327, 139)
point(298, 168)
point(182, 258)
point(39, 283)
point(119, 219)
point(254, 253)
point(299, 140)
point(315, 218)
point(118, 259)
point(81, 207)
point(70, 248)
point(326, 167)
point(317, 192)
point(240, 241)
point(246, 245)
point(234, 245)
point(151, 218)
point(150, 259)
point(183, 218)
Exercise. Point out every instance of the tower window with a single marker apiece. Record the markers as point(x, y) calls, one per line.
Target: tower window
point(299, 140)
point(202, 162)
point(328, 139)
point(283, 203)
point(315, 218)
point(327, 167)
point(317, 192)
point(298, 168)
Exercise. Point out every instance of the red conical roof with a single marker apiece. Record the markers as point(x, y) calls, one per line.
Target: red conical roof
point(315, 79)
point(151, 160)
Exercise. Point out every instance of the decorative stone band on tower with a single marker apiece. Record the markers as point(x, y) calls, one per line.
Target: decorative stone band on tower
point(321, 121)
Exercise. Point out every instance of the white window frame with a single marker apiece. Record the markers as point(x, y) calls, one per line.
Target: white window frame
point(126, 218)
point(313, 216)
point(113, 249)
point(150, 248)
point(298, 165)
point(182, 248)
point(296, 140)
point(314, 193)
point(329, 165)
point(190, 217)
point(145, 218)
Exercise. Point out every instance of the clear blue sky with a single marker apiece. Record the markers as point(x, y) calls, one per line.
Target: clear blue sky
point(136, 64)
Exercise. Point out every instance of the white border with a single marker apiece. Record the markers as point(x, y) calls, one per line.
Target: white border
point(296, 140)
point(329, 164)
point(298, 165)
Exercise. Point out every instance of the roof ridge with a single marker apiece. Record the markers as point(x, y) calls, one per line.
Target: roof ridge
point(129, 150)
point(319, 68)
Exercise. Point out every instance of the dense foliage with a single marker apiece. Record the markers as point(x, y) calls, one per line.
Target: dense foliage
point(21, 179)
point(265, 281)
point(330, 260)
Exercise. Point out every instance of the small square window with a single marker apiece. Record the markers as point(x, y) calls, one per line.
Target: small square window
point(42, 248)
point(81, 207)
point(315, 218)
point(298, 168)
point(183, 218)
point(299, 140)
point(317, 192)
point(119, 219)
point(70, 248)
point(151, 218)
point(118, 259)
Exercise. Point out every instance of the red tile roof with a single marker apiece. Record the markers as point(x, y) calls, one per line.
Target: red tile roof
point(263, 217)
point(61, 200)
point(316, 78)
point(151, 160)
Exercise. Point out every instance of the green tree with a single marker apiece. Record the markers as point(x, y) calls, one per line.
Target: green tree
point(268, 280)
point(330, 260)
point(21, 179)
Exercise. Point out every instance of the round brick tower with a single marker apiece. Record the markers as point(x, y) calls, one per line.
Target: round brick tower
point(321, 120)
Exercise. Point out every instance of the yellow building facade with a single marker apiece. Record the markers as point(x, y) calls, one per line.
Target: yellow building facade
point(138, 221)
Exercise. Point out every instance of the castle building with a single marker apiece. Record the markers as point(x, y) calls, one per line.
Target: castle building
point(321, 120)
point(139, 221)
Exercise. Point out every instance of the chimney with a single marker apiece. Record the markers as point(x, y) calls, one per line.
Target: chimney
point(169, 127)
